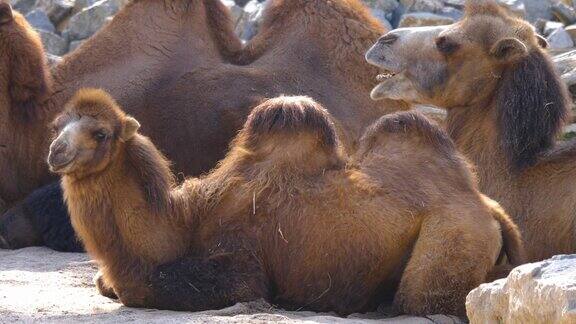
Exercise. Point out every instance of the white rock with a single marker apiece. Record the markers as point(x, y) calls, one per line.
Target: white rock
point(387, 6)
point(560, 39)
point(250, 20)
point(543, 292)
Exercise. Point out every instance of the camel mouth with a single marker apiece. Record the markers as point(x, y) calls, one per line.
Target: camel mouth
point(385, 81)
point(60, 166)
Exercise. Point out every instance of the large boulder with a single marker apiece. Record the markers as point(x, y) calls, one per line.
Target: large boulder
point(543, 292)
point(57, 10)
point(40, 21)
point(53, 43)
point(88, 21)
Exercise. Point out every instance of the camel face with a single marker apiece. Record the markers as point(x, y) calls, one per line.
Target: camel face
point(452, 66)
point(88, 134)
point(83, 142)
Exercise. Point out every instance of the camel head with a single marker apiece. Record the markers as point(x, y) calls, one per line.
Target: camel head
point(456, 65)
point(6, 15)
point(89, 134)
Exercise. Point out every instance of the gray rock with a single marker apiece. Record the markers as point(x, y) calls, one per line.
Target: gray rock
point(250, 20)
point(536, 9)
point(451, 12)
point(433, 6)
point(418, 19)
point(80, 5)
point(53, 59)
point(458, 4)
point(386, 6)
point(74, 45)
point(542, 292)
point(57, 10)
point(560, 39)
point(382, 17)
point(53, 43)
point(235, 10)
point(516, 7)
point(564, 13)
point(24, 6)
point(550, 26)
point(88, 21)
point(40, 21)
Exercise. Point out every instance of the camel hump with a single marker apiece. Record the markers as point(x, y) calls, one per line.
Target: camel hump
point(288, 119)
point(411, 126)
point(513, 245)
point(6, 14)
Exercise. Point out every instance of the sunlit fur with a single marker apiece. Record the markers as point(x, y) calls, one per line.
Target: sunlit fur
point(284, 216)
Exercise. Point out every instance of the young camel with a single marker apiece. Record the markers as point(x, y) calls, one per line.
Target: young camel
point(282, 217)
point(185, 53)
point(506, 105)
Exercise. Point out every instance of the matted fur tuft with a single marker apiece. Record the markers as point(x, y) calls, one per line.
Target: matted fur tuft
point(532, 106)
point(153, 173)
point(290, 116)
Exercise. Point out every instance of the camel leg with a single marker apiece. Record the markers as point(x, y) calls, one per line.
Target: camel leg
point(104, 289)
point(452, 256)
point(196, 284)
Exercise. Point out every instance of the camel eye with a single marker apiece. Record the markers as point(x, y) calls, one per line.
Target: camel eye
point(446, 45)
point(99, 135)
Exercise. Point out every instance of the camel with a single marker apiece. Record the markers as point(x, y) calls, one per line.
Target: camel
point(505, 104)
point(284, 216)
point(179, 68)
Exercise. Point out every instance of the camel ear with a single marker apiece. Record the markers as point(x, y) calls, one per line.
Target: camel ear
point(131, 127)
point(509, 50)
point(543, 42)
point(5, 13)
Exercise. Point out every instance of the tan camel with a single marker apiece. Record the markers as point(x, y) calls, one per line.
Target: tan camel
point(505, 104)
point(283, 216)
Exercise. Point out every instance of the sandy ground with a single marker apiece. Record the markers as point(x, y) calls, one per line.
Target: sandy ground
point(41, 285)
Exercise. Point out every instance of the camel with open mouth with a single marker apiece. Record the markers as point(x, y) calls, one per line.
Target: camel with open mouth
point(506, 106)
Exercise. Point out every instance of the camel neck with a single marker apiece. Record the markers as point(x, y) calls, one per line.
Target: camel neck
point(474, 129)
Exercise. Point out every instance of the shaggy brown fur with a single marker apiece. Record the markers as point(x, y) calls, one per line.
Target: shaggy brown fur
point(506, 105)
point(282, 217)
point(178, 67)
point(24, 88)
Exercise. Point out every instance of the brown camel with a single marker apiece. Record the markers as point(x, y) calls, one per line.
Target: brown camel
point(283, 216)
point(505, 104)
point(178, 67)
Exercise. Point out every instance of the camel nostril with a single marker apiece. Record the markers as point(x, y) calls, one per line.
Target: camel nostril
point(388, 39)
point(59, 148)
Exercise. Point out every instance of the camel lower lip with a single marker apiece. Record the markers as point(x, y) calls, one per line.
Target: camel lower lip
point(60, 166)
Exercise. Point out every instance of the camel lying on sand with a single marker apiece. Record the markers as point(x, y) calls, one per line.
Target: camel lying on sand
point(506, 105)
point(179, 68)
point(283, 216)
